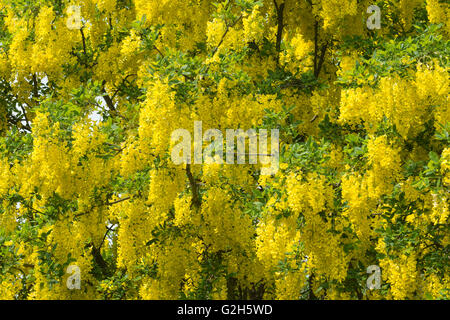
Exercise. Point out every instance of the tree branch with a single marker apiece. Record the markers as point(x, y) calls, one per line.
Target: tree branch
point(280, 23)
point(98, 258)
point(318, 60)
point(194, 187)
point(103, 204)
point(224, 35)
point(108, 101)
point(106, 233)
point(321, 59)
point(84, 41)
point(118, 201)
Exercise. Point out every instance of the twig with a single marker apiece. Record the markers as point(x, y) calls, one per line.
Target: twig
point(118, 201)
point(84, 41)
point(224, 35)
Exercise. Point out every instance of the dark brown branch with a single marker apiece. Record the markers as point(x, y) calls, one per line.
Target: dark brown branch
point(321, 59)
point(25, 116)
point(103, 204)
point(18, 122)
point(35, 87)
point(98, 258)
point(108, 101)
point(118, 201)
point(121, 83)
point(106, 233)
point(30, 207)
point(160, 53)
point(84, 41)
point(318, 60)
point(194, 188)
point(280, 23)
point(225, 34)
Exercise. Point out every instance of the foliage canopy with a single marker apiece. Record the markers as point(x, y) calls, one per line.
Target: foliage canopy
point(86, 116)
